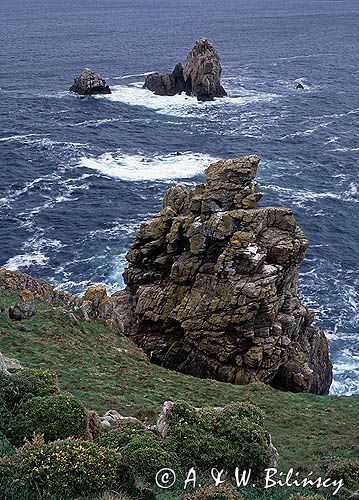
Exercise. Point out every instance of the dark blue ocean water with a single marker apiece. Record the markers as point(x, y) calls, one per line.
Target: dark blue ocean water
point(79, 174)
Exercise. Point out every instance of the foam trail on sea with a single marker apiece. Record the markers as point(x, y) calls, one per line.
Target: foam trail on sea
point(181, 105)
point(139, 168)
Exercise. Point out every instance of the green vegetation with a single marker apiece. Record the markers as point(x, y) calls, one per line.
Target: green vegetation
point(216, 493)
point(56, 417)
point(348, 470)
point(121, 435)
point(234, 437)
point(106, 371)
point(62, 469)
point(146, 455)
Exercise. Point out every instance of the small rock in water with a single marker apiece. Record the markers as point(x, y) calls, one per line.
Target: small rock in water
point(299, 86)
point(24, 307)
point(90, 83)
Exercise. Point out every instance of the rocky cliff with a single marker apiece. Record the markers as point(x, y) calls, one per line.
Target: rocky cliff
point(200, 77)
point(212, 287)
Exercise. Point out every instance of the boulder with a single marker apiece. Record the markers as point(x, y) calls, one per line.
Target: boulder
point(7, 364)
point(199, 78)
point(212, 287)
point(24, 307)
point(113, 419)
point(299, 86)
point(90, 83)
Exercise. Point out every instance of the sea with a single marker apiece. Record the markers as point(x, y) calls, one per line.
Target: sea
point(79, 174)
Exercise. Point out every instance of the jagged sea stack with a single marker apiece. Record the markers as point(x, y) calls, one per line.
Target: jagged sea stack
point(212, 287)
point(90, 83)
point(202, 72)
point(200, 77)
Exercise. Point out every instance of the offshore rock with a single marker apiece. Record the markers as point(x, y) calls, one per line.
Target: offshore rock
point(202, 72)
point(212, 287)
point(199, 78)
point(90, 83)
point(169, 84)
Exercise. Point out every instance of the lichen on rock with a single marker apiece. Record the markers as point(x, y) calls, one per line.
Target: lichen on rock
point(212, 287)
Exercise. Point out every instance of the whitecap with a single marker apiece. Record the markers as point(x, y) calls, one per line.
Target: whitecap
point(139, 168)
point(124, 77)
point(19, 137)
point(181, 105)
point(26, 260)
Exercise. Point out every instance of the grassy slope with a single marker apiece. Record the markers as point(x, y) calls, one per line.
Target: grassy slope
point(107, 371)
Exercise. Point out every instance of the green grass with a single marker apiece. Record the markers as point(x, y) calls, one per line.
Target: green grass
point(107, 371)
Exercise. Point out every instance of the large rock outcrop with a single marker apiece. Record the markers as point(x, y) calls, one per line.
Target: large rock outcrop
point(200, 77)
point(212, 287)
point(90, 83)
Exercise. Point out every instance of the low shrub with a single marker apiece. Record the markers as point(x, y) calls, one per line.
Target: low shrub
point(216, 493)
point(224, 438)
point(64, 469)
point(56, 417)
point(122, 435)
point(347, 470)
point(6, 448)
point(25, 384)
point(146, 455)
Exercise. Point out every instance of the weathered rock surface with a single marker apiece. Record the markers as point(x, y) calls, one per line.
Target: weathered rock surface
point(24, 307)
point(169, 84)
point(199, 78)
point(7, 364)
point(202, 72)
point(113, 419)
point(16, 281)
point(90, 83)
point(212, 287)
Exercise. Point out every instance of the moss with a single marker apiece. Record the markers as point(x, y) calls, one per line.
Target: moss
point(56, 417)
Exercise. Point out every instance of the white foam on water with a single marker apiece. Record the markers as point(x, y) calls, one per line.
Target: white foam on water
point(345, 150)
point(41, 141)
point(302, 197)
point(19, 137)
point(181, 105)
point(26, 260)
point(124, 77)
point(139, 168)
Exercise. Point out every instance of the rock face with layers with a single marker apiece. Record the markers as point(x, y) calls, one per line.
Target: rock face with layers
point(212, 287)
point(199, 78)
point(90, 83)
